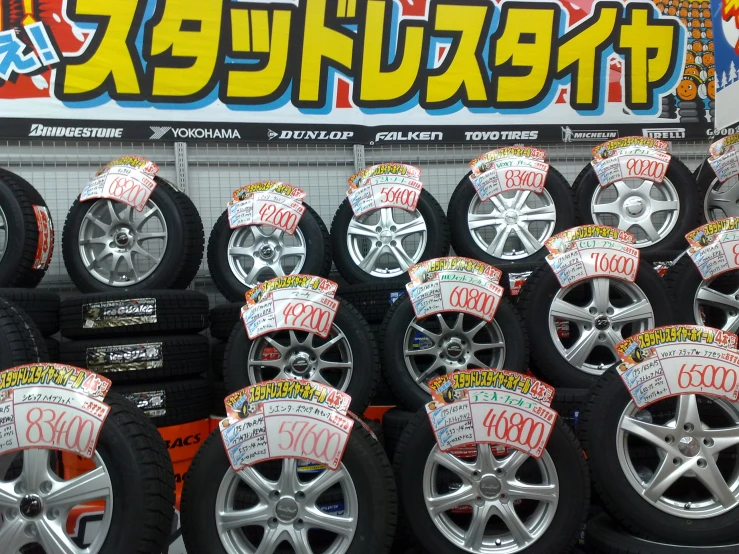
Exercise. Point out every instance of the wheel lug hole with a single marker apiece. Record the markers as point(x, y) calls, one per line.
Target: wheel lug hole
point(378, 229)
point(601, 337)
point(609, 311)
point(593, 311)
point(274, 495)
point(393, 243)
point(300, 496)
point(688, 427)
point(499, 471)
point(18, 488)
point(475, 473)
point(393, 228)
point(587, 327)
point(378, 244)
point(702, 463)
point(45, 487)
point(676, 461)
point(31, 530)
point(708, 442)
point(669, 439)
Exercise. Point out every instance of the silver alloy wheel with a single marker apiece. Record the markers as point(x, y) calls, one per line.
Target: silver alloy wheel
point(512, 225)
point(715, 307)
point(722, 199)
point(36, 505)
point(300, 355)
point(690, 455)
point(493, 487)
point(3, 234)
point(646, 209)
point(604, 312)
point(386, 242)
point(257, 253)
point(448, 342)
point(286, 509)
point(120, 246)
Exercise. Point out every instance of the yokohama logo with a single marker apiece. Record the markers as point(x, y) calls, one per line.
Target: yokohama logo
point(39, 130)
point(194, 133)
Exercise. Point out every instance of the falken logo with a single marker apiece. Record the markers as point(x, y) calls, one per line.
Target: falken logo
point(675, 133)
point(193, 133)
point(568, 135)
point(39, 130)
point(411, 136)
point(309, 135)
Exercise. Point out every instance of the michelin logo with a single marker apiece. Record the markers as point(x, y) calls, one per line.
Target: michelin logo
point(193, 133)
point(39, 130)
point(568, 135)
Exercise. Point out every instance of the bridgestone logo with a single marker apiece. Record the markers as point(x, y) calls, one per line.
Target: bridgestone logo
point(194, 133)
point(38, 130)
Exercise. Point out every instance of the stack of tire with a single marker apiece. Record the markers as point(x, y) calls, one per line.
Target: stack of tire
point(223, 319)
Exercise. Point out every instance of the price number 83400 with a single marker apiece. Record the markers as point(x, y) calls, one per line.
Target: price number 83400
point(58, 428)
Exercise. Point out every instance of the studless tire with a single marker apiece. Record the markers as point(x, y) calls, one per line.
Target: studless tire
point(540, 504)
point(133, 474)
point(20, 340)
point(363, 483)
point(346, 360)
point(384, 243)
point(42, 306)
point(415, 351)
point(510, 227)
point(19, 232)
point(720, 200)
point(597, 313)
point(109, 246)
point(658, 214)
point(241, 258)
point(667, 472)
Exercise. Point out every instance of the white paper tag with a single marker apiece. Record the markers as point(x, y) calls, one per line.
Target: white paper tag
point(726, 166)
point(511, 174)
point(632, 163)
point(385, 191)
point(123, 184)
point(266, 208)
point(445, 294)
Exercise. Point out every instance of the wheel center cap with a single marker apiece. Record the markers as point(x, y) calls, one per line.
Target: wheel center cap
point(490, 486)
point(634, 206)
point(123, 237)
point(602, 322)
point(511, 217)
point(386, 236)
point(286, 510)
point(31, 506)
point(266, 251)
point(454, 348)
point(300, 362)
point(689, 446)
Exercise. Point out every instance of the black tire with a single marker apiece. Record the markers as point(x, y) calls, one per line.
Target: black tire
point(683, 281)
point(604, 536)
point(463, 241)
point(376, 428)
point(609, 398)
point(394, 423)
point(562, 533)
point(365, 461)
point(40, 305)
point(570, 405)
point(223, 318)
point(17, 201)
point(175, 311)
point(170, 402)
point(437, 239)
point(365, 368)
point(218, 394)
point(691, 204)
point(125, 359)
point(217, 357)
point(705, 178)
point(513, 273)
point(182, 256)
point(20, 340)
point(373, 300)
point(534, 304)
point(317, 254)
point(409, 393)
point(52, 347)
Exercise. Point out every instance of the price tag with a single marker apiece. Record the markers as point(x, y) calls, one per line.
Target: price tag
point(262, 208)
point(51, 406)
point(455, 285)
point(123, 184)
point(679, 359)
point(725, 157)
point(592, 251)
point(491, 407)
point(385, 191)
point(392, 169)
point(285, 303)
point(286, 419)
point(714, 247)
point(632, 163)
point(276, 187)
point(45, 244)
point(510, 174)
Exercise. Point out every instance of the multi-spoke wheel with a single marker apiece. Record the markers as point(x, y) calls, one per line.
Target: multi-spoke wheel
point(512, 226)
point(274, 505)
point(128, 482)
point(241, 258)
point(417, 350)
point(577, 327)
point(720, 200)
point(384, 243)
point(481, 501)
point(108, 245)
point(670, 470)
point(657, 214)
point(346, 360)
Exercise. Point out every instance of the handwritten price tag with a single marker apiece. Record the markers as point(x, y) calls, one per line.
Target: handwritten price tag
point(720, 255)
point(725, 157)
point(123, 184)
point(465, 410)
point(632, 163)
point(478, 299)
point(260, 208)
point(385, 191)
point(510, 174)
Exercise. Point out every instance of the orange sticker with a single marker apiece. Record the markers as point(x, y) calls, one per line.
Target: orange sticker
point(45, 238)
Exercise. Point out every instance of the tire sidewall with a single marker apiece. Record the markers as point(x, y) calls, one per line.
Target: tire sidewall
point(221, 272)
point(399, 318)
point(161, 278)
point(684, 290)
point(16, 236)
point(462, 240)
point(437, 243)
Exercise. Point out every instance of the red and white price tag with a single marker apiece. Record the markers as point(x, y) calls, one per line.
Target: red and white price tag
point(719, 255)
point(45, 245)
point(724, 158)
point(573, 259)
point(123, 184)
point(491, 407)
point(385, 191)
point(51, 406)
point(287, 419)
point(479, 298)
point(632, 163)
point(273, 209)
point(680, 359)
point(511, 174)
